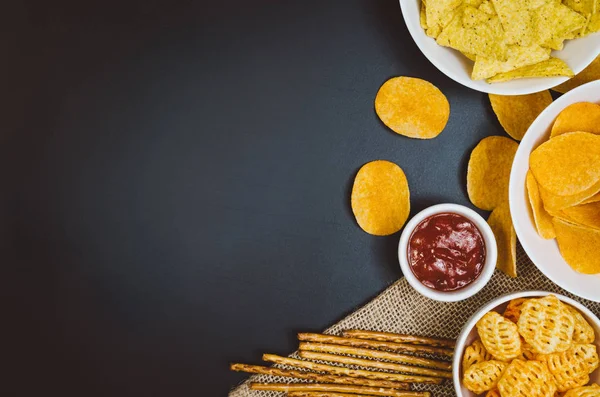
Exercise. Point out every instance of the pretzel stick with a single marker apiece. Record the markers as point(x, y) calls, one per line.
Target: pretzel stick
point(375, 354)
point(290, 387)
point(256, 369)
point(399, 338)
point(334, 358)
point(371, 344)
point(356, 373)
point(335, 394)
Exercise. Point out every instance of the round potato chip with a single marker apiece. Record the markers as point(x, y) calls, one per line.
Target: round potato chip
point(583, 214)
point(474, 354)
point(527, 378)
point(578, 246)
point(567, 164)
point(506, 238)
point(541, 217)
point(412, 107)
point(582, 116)
point(484, 376)
point(499, 336)
point(488, 171)
point(380, 198)
point(554, 202)
point(516, 112)
point(592, 390)
point(546, 325)
point(591, 73)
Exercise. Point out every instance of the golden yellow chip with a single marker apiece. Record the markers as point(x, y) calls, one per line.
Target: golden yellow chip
point(493, 393)
point(587, 353)
point(567, 368)
point(513, 309)
point(592, 390)
point(584, 333)
point(555, 21)
point(583, 215)
point(438, 10)
point(517, 57)
point(380, 198)
point(526, 378)
point(567, 164)
point(583, 116)
point(483, 376)
point(593, 199)
point(488, 171)
point(543, 220)
point(412, 107)
point(499, 336)
point(591, 73)
point(516, 113)
point(506, 238)
point(474, 354)
point(528, 353)
point(552, 67)
point(546, 325)
point(578, 246)
point(553, 202)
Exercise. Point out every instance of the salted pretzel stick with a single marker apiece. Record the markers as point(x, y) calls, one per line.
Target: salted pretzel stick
point(408, 369)
point(399, 338)
point(257, 369)
point(291, 387)
point(375, 354)
point(372, 344)
point(356, 373)
point(336, 394)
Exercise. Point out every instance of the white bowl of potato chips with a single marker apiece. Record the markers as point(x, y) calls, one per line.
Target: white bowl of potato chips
point(506, 47)
point(530, 343)
point(557, 220)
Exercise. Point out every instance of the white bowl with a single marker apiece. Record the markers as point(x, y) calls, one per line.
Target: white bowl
point(490, 257)
point(577, 54)
point(469, 333)
point(545, 253)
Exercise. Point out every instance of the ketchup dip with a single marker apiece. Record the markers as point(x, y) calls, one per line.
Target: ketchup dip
point(446, 252)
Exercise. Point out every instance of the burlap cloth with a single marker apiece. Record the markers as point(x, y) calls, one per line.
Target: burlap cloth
point(402, 309)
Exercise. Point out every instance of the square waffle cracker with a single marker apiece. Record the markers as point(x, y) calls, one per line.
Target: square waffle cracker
point(499, 336)
point(527, 379)
point(592, 390)
point(484, 376)
point(513, 310)
point(584, 333)
point(474, 354)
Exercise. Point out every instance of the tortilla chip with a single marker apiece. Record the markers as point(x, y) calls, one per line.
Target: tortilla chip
point(506, 239)
point(516, 113)
point(543, 220)
point(582, 116)
point(412, 107)
point(591, 73)
point(579, 246)
point(423, 16)
point(552, 67)
point(437, 12)
point(380, 198)
point(517, 57)
point(555, 21)
point(567, 164)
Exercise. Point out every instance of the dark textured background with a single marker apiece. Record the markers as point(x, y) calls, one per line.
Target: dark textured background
point(176, 179)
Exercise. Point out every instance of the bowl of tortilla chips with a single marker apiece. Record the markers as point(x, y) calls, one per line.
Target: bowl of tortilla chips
point(554, 191)
point(506, 47)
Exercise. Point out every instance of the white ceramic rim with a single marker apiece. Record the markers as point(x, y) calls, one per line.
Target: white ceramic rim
point(490, 257)
point(559, 272)
point(514, 87)
point(464, 334)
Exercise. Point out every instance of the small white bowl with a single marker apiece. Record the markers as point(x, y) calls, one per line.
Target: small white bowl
point(490, 254)
point(545, 253)
point(469, 333)
point(578, 54)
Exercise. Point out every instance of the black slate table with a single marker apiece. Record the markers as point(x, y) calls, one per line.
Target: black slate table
point(177, 178)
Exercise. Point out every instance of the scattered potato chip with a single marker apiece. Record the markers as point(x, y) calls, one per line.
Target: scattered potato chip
point(412, 107)
point(583, 214)
point(553, 202)
point(526, 378)
point(591, 73)
point(506, 238)
point(584, 333)
point(483, 376)
point(546, 326)
point(578, 246)
point(517, 57)
point(516, 113)
point(474, 354)
point(552, 67)
point(592, 390)
point(567, 164)
point(583, 116)
point(499, 336)
point(488, 171)
point(543, 220)
point(513, 309)
point(380, 198)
